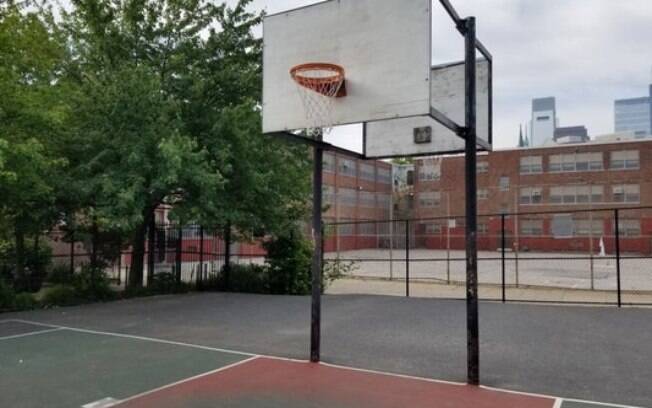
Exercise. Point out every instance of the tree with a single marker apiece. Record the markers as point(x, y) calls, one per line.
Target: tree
point(31, 116)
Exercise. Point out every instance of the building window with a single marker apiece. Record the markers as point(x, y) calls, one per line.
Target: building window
point(626, 193)
point(531, 165)
point(624, 160)
point(347, 167)
point(504, 183)
point(629, 228)
point(431, 228)
point(329, 195)
point(430, 199)
point(367, 228)
point(585, 228)
point(482, 167)
point(531, 195)
point(382, 200)
point(562, 226)
point(576, 194)
point(367, 199)
point(430, 170)
point(329, 163)
point(575, 162)
point(367, 172)
point(532, 228)
point(543, 118)
point(384, 175)
point(410, 177)
point(483, 229)
point(483, 194)
point(345, 229)
point(347, 197)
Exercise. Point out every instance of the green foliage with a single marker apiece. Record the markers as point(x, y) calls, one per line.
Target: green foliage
point(7, 296)
point(25, 301)
point(59, 274)
point(91, 284)
point(247, 278)
point(166, 283)
point(289, 257)
point(60, 295)
point(334, 269)
point(36, 258)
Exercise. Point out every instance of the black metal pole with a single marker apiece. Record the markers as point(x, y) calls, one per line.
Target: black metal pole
point(502, 257)
point(200, 274)
point(407, 258)
point(179, 253)
point(151, 236)
point(315, 316)
point(472, 342)
point(72, 253)
point(617, 234)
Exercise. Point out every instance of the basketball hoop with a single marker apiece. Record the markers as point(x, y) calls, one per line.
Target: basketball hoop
point(318, 85)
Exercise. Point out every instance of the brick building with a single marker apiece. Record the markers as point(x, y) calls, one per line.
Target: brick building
point(557, 182)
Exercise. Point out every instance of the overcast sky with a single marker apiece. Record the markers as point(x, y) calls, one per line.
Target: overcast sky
point(586, 53)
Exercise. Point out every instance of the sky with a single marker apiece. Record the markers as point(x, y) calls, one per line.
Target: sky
point(586, 53)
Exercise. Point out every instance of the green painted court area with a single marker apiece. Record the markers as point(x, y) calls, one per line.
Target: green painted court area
point(44, 365)
point(50, 367)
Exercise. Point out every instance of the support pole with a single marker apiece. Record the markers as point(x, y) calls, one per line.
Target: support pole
point(315, 316)
point(200, 274)
point(472, 342)
point(502, 254)
point(617, 234)
point(407, 258)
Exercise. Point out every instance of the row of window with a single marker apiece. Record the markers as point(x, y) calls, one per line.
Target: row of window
point(350, 197)
point(347, 167)
point(574, 162)
point(561, 226)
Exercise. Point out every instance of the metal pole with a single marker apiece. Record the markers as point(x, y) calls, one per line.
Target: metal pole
point(472, 342)
point(391, 235)
point(72, 253)
point(200, 275)
point(517, 235)
point(448, 238)
point(502, 257)
point(617, 233)
point(315, 315)
point(407, 258)
point(591, 266)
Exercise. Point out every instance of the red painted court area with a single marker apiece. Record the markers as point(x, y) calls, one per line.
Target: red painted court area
point(271, 383)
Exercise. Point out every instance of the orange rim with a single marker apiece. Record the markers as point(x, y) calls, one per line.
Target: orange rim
point(319, 84)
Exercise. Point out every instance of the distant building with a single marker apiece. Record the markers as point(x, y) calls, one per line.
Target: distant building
point(544, 121)
point(634, 114)
point(571, 134)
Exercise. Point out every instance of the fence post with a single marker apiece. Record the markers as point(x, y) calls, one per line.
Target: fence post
point(151, 249)
point(407, 258)
point(178, 255)
point(200, 274)
point(617, 234)
point(502, 254)
point(72, 253)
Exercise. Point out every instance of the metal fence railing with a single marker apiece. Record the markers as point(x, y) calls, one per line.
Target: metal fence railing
point(577, 256)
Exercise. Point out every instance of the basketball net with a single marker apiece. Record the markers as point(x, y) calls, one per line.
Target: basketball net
point(318, 85)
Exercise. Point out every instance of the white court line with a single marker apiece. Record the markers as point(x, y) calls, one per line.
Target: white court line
point(558, 400)
point(226, 367)
point(15, 336)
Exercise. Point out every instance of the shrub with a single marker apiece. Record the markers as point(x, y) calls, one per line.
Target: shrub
point(335, 269)
point(92, 284)
point(247, 278)
point(166, 282)
point(60, 295)
point(289, 257)
point(7, 296)
point(59, 274)
point(25, 301)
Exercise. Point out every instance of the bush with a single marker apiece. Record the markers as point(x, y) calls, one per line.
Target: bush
point(247, 278)
point(37, 260)
point(59, 274)
point(92, 284)
point(335, 269)
point(25, 301)
point(7, 296)
point(289, 257)
point(166, 282)
point(60, 295)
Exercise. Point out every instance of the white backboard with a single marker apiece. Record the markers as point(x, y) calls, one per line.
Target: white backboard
point(392, 138)
point(383, 46)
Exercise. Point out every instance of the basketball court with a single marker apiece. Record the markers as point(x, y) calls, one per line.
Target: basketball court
point(46, 364)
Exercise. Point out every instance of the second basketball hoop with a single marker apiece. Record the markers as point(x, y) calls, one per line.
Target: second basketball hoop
point(319, 84)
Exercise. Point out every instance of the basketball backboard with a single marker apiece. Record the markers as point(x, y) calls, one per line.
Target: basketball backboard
point(383, 46)
point(405, 106)
point(408, 136)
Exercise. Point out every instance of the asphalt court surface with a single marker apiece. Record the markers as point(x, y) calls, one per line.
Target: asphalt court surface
point(115, 351)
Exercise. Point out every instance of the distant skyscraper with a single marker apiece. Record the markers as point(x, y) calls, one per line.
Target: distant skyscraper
point(544, 121)
point(634, 115)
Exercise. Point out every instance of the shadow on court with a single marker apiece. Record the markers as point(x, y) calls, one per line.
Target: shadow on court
point(103, 354)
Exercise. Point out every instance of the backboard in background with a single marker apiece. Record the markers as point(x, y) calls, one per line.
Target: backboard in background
point(383, 46)
point(407, 136)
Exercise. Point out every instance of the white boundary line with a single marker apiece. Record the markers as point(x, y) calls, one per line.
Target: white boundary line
point(252, 356)
point(16, 336)
point(226, 367)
